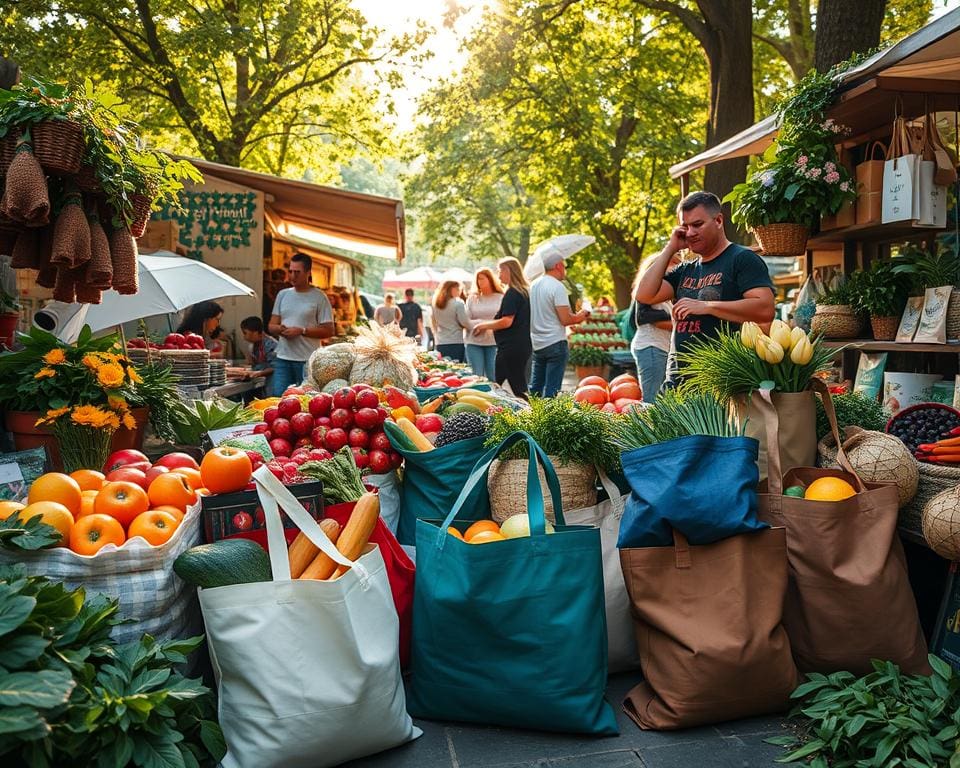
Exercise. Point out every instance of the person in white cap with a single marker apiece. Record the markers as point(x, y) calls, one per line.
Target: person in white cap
point(549, 317)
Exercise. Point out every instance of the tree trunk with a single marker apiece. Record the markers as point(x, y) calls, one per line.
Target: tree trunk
point(621, 289)
point(845, 27)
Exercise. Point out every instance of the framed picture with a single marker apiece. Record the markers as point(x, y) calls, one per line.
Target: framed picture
point(18, 470)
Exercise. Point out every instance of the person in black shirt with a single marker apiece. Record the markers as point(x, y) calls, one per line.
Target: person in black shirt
point(411, 316)
point(728, 284)
point(511, 328)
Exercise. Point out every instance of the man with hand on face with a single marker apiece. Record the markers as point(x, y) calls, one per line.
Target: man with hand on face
point(728, 284)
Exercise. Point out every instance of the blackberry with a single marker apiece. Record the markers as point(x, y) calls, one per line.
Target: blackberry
point(463, 426)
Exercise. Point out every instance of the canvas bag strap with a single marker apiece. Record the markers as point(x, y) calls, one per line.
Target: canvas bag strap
point(608, 485)
point(938, 151)
point(819, 386)
point(899, 141)
point(273, 493)
point(681, 548)
point(871, 155)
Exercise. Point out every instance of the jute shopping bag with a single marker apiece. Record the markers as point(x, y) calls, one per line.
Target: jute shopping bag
point(849, 598)
point(709, 636)
point(308, 671)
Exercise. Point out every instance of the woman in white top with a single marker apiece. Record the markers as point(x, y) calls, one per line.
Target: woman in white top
point(651, 340)
point(449, 320)
point(483, 304)
point(388, 312)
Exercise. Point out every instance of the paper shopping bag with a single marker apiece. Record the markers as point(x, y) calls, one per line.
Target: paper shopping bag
point(899, 177)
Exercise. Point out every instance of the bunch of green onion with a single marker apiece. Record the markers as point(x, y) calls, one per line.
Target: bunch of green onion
point(676, 414)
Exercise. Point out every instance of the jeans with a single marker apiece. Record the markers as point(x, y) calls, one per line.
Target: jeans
point(651, 369)
point(287, 373)
point(482, 360)
point(453, 351)
point(549, 364)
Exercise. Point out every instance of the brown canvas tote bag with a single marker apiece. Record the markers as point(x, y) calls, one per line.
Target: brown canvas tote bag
point(849, 598)
point(707, 621)
point(797, 416)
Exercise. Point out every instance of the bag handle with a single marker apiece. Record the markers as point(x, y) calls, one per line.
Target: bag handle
point(535, 507)
point(608, 485)
point(272, 492)
point(873, 150)
point(899, 141)
point(681, 548)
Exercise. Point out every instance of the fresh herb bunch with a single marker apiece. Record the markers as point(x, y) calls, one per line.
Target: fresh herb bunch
point(586, 355)
point(341, 478)
point(158, 392)
point(853, 410)
point(566, 430)
point(30, 534)
point(192, 421)
point(885, 718)
point(675, 414)
point(881, 292)
point(73, 696)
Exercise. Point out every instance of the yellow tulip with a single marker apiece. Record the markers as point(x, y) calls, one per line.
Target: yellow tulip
point(802, 352)
point(749, 332)
point(780, 333)
point(795, 335)
point(769, 350)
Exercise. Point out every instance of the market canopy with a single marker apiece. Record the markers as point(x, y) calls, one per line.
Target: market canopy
point(419, 277)
point(915, 71)
point(366, 224)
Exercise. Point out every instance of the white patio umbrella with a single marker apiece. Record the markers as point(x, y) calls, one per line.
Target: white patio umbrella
point(564, 245)
point(419, 277)
point(168, 283)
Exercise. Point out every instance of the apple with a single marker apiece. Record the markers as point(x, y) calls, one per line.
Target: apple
point(322, 421)
point(243, 521)
point(395, 459)
point(258, 517)
point(261, 429)
point(154, 472)
point(320, 454)
point(360, 457)
point(123, 458)
point(174, 338)
point(367, 399)
point(341, 417)
point(430, 422)
point(255, 458)
point(178, 459)
point(380, 442)
point(335, 439)
point(270, 414)
point(193, 338)
point(129, 475)
point(301, 423)
point(379, 461)
point(344, 398)
point(292, 391)
point(297, 459)
point(384, 414)
point(317, 434)
point(320, 405)
point(367, 418)
point(281, 428)
point(280, 447)
point(360, 387)
point(289, 406)
point(358, 438)
point(303, 442)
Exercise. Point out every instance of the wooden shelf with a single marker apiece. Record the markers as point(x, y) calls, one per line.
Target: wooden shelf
point(871, 233)
point(870, 345)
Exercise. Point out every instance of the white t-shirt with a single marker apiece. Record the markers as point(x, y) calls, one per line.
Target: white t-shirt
point(481, 308)
point(296, 309)
point(546, 294)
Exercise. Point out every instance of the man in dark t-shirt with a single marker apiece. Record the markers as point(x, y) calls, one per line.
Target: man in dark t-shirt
point(411, 316)
point(728, 284)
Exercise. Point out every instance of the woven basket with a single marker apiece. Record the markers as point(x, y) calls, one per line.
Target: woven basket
point(507, 484)
point(877, 457)
point(836, 321)
point(941, 523)
point(58, 145)
point(884, 328)
point(953, 315)
point(782, 239)
point(934, 479)
point(141, 215)
point(86, 180)
point(8, 148)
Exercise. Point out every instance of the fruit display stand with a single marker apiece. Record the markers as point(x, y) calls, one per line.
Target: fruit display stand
point(600, 332)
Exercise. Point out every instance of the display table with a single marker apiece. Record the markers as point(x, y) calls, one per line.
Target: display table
point(234, 388)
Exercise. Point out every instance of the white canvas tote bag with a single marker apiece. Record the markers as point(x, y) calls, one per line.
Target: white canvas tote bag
point(899, 177)
point(308, 672)
point(621, 639)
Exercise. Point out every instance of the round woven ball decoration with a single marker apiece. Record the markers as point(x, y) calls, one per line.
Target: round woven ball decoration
point(877, 457)
point(941, 523)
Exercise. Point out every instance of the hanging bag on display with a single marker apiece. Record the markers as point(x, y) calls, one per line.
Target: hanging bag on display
point(870, 185)
point(606, 515)
point(709, 636)
point(931, 207)
point(307, 671)
point(899, 177)
point(511, 632)
point(946, 175)
point(849, 598)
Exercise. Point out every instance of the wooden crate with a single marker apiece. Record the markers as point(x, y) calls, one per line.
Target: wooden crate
point(160, 235)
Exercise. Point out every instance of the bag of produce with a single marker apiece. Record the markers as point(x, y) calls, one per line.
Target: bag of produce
point(384, 355)
point(327, 364)
point(267, 638)
point(847, 569)
point(511, 632)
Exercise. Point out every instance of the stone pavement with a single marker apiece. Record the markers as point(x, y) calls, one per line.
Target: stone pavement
point(737, 744)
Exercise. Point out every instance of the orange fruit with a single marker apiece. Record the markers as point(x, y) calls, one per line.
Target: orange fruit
point(52, 513)
point(121, 500)
point(484, 537)
point(479, 527)
point(829, 489)
point(226, 469)
point(56, 486)
point(177, 513)
point(91, 532)
point(172, 489)
point(7, 508)
point(192, 475)
point(86, 502)
point(89, 479)
point(203, 491)
point(155, 525)
point(455, 533)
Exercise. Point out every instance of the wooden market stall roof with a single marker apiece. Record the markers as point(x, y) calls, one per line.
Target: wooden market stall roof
point(351, 220)
point(920, 72)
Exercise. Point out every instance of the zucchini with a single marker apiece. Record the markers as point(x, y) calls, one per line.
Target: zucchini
point(398, 438)
point(223, 563)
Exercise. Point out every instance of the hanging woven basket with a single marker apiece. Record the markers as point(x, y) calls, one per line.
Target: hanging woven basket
point(941, 523)
point(877, 457)
point(782, 239)
point(58, 145)
point(87, 180)
point(141, 215)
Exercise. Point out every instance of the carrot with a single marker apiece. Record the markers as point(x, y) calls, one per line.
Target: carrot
point(943, 450)
point(953, 441)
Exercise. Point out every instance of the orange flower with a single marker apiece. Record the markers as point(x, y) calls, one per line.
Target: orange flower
point(134, 376)
point(44, 373)
point(117, 403)
point(110, 375)
point(55, 357)
point(92, 361)
point(128, 421)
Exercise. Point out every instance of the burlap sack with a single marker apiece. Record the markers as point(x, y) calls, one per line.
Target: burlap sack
point(47, 272)
point(25, 251)
point(25, 196)
point(123, 256)
point(65, 286)
point(848, 574)
point(99, 270)
point(71, 235)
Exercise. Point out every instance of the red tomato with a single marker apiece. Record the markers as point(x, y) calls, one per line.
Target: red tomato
point(177, 459)
point(123, 458)
point(129, 475)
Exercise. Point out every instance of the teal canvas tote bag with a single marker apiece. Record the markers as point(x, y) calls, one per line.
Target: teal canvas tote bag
point(511, 633)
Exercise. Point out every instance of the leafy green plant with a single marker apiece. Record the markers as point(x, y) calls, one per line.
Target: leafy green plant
point(853, 410)
point(880, 291)
point(192, 421)
point(675, 414)
point(157, 391)
point(928, 269)
point(843, 293)
point(73, 696)
point(587, 356)
point(883, 719)
point(565, 429)
point(30, 534)
point(34, 101)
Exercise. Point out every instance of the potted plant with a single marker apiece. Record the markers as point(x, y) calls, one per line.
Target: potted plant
point(588, 360)
point(51, 114)
point(933, 269)
point(882, 294)
point(837, 315)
